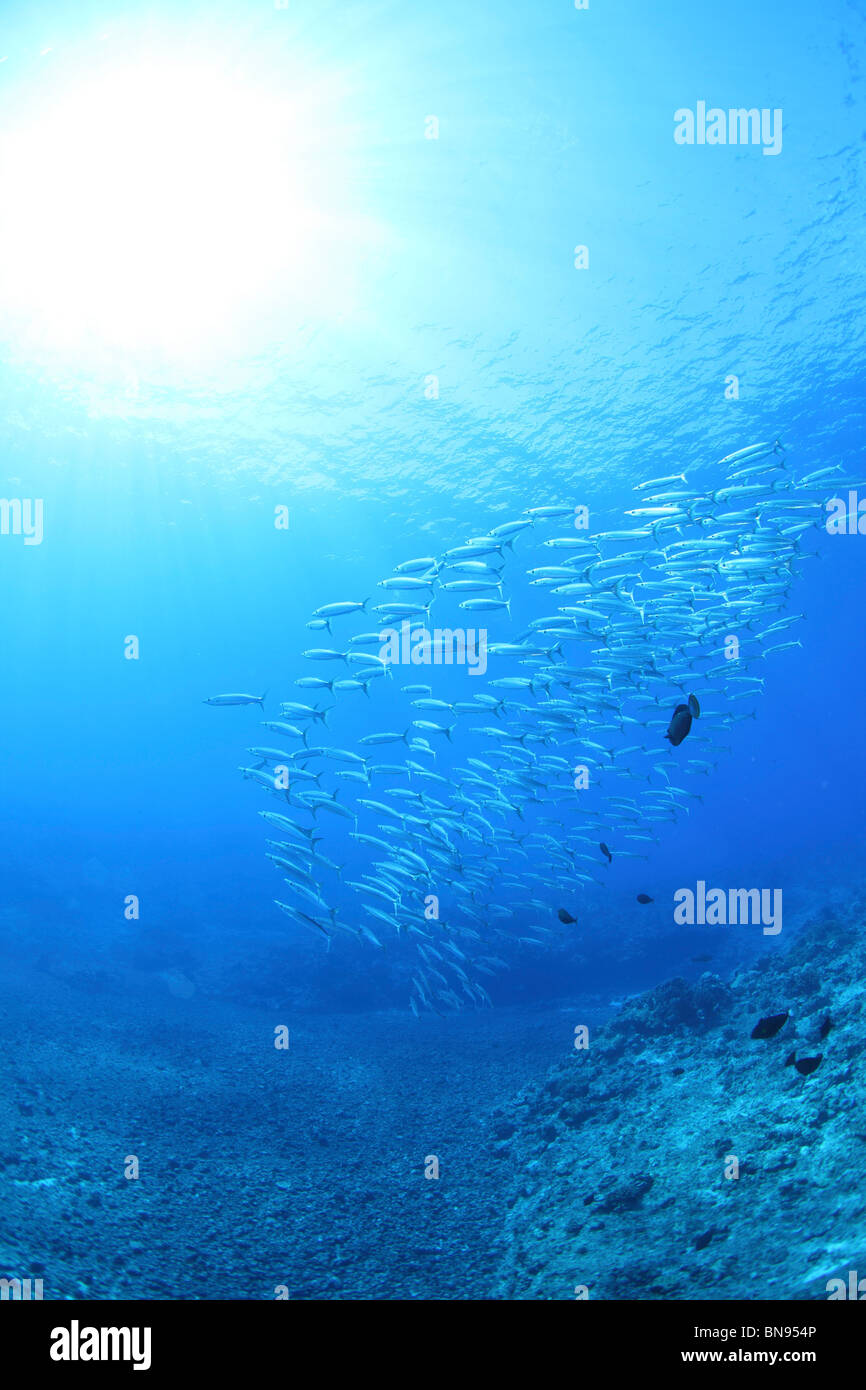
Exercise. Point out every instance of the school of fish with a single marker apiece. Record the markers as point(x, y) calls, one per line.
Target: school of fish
point(558, 764)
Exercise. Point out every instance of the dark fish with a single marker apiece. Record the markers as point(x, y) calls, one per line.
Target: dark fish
point(701, 1242)
point(604, 849)
point(701, 960)
point(588, 1200)
point(790, 1059)
point(644, 898)
point(807, 1065)
point(565, 917)
point(768, 1027)
point(694, 707)
point(679, 725)
point(825, 1027)
point(678, 1071)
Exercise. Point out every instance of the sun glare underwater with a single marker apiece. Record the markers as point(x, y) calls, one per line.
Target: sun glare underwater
point(432, 531)
point(158, 202)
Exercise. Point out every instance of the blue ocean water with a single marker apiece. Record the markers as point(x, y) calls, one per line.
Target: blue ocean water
point(324, 263)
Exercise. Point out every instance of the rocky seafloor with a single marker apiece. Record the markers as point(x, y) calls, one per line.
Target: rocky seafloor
point(622, 1158)
point(603, 1169)
point(259, 1170)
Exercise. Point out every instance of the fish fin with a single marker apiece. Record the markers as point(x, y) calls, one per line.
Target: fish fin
point(261, 701)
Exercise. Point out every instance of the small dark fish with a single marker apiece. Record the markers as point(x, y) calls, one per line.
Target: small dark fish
point(768, 1027)
point(679, 725)
point(807, 1065)
point(588, 1200)
point(790, 1059)
point(604, 849)
point(678, 1071)
point(701, 1242)
point(694, 707)
point(565, 917)
point(825, 1027)
point(701, 960)
point(644, 898)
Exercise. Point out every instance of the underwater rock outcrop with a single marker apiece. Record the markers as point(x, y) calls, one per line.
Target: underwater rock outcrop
point(676, 1157)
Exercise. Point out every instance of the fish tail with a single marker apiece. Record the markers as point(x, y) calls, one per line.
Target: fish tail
point(261, 701)
point(448, 732)
point(304, 738)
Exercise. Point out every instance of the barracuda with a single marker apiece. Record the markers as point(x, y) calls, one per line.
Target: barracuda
point(468, 858)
